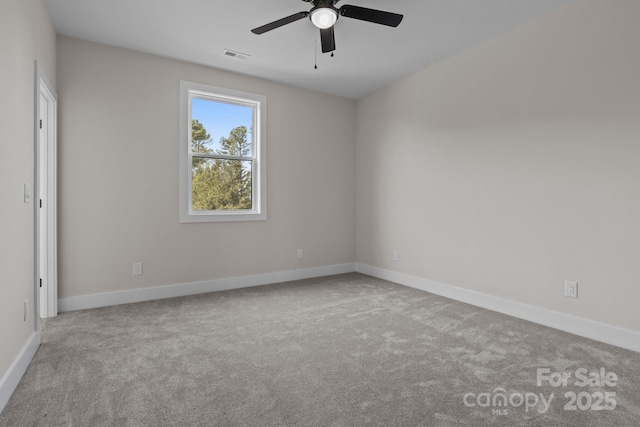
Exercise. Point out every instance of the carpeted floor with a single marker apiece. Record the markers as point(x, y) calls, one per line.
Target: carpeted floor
point(346, 350)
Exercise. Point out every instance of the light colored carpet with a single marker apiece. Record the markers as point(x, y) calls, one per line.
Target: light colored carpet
point(346, 350)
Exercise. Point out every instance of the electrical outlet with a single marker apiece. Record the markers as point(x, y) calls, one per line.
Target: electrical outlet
point(570, 289)
point(300, 254)
point(137, 269)
point(26, 310)
point(396, 256)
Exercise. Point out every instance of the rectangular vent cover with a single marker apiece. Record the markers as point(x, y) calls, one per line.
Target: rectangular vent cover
point(235, 54)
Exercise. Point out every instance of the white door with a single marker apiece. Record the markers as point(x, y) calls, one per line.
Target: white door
point(46, 229)
point(42, 212)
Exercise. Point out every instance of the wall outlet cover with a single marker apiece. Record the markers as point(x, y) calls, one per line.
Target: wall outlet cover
point(570, 289)
point(137, 269)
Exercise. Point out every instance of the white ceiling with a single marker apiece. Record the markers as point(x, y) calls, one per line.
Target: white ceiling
point(367, 56)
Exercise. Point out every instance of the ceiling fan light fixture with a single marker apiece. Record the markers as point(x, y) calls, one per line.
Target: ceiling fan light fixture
point(324, 17)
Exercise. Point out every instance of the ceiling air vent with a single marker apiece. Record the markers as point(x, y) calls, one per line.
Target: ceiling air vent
point(235, 54)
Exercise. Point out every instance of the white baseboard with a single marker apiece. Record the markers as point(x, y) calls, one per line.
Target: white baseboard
point(179, 290)
point(17, 369)
point(576, 325)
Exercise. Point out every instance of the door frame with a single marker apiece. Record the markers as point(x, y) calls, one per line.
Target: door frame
point(45, 179)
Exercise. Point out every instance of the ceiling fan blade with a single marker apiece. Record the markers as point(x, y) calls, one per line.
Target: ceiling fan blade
point(280, 22)
point(328, 40)
point(371, 15)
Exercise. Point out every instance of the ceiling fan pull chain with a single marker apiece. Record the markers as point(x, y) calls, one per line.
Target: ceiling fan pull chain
point(315, 53)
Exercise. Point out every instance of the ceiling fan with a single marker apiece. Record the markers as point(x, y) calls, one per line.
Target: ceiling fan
point(324, 15)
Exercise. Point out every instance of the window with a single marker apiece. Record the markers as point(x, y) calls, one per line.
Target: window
point(222, 154)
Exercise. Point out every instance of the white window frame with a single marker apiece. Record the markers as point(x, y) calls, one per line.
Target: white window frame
point(189, 90)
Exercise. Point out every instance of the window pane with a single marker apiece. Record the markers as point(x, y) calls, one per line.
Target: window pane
point(220, 184)
point(221, 128)
point(222, 154)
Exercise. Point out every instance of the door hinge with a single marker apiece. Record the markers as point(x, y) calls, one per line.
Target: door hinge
point(40, 202)
point(40, 123)
point(40, 282)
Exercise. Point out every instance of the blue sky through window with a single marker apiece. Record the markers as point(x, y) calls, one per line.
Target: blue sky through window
point(219, 118)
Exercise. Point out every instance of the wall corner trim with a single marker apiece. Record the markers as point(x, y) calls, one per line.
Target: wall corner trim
point(84, 302)
point(17, 369)
point(586, 328)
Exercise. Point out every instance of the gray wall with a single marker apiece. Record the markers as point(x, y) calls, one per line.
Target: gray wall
point(513, 166)
point(26, 35)
point(118, 179)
